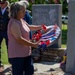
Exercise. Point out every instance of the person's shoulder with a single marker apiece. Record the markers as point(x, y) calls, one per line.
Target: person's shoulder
point(13, 21)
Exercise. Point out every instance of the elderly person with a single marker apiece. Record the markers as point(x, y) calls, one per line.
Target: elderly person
point(19, 45)
point(4, 19)
point(27, 17)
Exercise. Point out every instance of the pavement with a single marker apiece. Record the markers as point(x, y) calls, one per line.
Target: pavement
point(42, 68)
point(48, 68)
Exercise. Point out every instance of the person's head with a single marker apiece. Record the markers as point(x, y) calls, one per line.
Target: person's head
point(25, 2)
point(4, 3)
point(17, 10)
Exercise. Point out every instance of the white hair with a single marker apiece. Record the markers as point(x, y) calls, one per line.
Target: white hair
point(7, 3)
point(15, 8)
point(25, 2)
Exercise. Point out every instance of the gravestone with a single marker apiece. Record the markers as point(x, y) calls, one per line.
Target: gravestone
point(70, 65)
point(48, 14)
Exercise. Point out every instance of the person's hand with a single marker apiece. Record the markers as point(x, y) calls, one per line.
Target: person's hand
point(44, 27)
point(35, 45)
point(42, 47)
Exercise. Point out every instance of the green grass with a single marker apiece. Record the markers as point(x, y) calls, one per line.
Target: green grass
point(64, 35)
point(4, 50)
point(4, 55)
point(64, 27)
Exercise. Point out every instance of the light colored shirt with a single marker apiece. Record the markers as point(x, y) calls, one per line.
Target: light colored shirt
point(3, 10)
point(16, 49)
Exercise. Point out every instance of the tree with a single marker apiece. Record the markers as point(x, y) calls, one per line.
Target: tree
point(31, 2)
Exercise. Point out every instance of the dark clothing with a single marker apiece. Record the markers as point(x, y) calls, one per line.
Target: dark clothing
point(22, 64)
point(4, 35)
point(4, 19)
point(28, 19)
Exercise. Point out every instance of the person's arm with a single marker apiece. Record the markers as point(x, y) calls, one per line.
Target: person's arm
point(34, 27)
point(15, 28)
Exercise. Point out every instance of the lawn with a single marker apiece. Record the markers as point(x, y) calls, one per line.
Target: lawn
point(4, 50)
point(4, 53)
point(64, 35)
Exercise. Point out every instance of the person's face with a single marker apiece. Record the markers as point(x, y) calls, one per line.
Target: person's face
point(21, 13)
point(3, 5)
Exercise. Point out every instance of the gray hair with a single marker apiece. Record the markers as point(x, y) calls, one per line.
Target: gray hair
point(25, 2)
point(15, 8)
point(7, 3)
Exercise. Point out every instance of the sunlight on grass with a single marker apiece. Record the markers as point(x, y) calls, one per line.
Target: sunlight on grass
point(4, 55)
point(64, 35)
point(63, 46)
point(64, 27)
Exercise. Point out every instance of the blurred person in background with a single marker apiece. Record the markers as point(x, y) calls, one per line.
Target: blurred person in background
point(4, 19)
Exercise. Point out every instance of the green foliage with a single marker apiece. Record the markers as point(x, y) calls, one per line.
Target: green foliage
point(63, 2)
point(12, 1)
point(65, 7)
